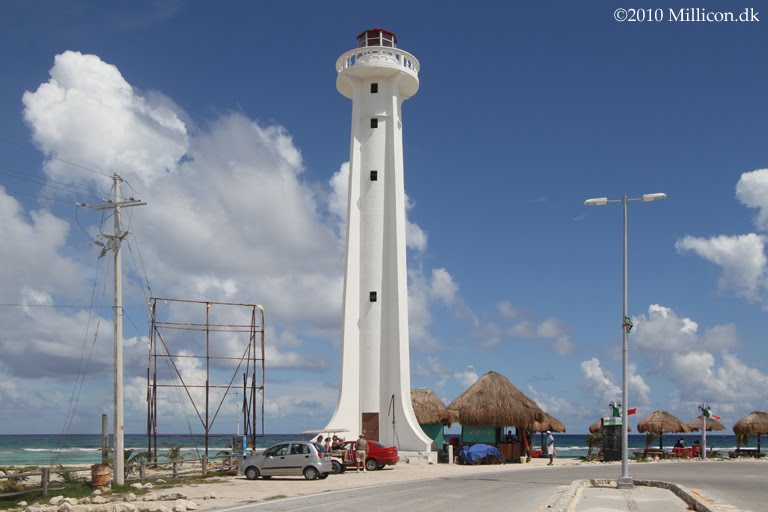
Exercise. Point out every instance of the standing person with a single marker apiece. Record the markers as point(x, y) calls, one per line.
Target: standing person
point(550, 448)
point(361, 450)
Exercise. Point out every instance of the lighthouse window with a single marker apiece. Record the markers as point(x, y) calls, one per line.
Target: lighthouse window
point(374, 175)
point(372, 297)
point(374, 123)
point(374, 88)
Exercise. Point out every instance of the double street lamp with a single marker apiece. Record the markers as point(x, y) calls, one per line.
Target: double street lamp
point(624, 481)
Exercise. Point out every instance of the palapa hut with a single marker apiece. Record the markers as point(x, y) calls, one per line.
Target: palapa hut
point(659, 422)
point(490, 404)
point(598, 427)
point(712, 424)
point(432, 414)
point(755, 422)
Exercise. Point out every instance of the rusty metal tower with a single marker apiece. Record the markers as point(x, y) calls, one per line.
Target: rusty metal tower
point(227, 340)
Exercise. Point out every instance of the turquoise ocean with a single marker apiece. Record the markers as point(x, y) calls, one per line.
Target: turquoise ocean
point(43, 450)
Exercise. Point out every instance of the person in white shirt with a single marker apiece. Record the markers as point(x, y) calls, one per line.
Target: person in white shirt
point(550, 448)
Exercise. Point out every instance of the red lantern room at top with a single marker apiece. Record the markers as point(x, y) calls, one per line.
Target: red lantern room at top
point(377, 37)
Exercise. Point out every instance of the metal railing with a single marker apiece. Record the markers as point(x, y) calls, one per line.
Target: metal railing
point(375, 54)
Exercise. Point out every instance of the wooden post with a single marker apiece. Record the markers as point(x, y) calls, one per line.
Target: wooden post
point(143, 471)
point(175, 469)
point(104, 440)
point(46, 476)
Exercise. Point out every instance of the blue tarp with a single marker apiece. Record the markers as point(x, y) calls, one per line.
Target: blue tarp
point(476, 453)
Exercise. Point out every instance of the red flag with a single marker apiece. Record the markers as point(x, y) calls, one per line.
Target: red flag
point(632, 411)
point(716, 417)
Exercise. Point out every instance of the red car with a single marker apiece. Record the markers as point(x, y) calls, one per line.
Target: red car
point(377, 457)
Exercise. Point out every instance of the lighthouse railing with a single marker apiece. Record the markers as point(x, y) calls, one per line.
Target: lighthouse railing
point(376, 54)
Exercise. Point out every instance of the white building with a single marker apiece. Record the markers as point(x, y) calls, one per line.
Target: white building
point(374, 395)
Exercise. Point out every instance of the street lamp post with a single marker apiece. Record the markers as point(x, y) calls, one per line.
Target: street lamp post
point(624, 481)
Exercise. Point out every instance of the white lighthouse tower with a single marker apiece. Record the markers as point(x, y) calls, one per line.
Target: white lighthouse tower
point(375, 395)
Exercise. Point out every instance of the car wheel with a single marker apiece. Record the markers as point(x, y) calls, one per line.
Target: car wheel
point(311, 473)
point(371, 465)
point(251, 473)
point(336, 467)
point(323, 476)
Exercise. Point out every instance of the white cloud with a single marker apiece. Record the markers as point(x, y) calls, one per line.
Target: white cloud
point(491, 334)
point(663, 331)
point(742, 259)
point(599, 383)
point(752, 191)
point(125, 132)
point(443, 287)
point(699, 377)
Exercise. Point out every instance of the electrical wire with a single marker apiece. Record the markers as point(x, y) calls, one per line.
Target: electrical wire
point(18, 192)
point(51, 157)
point(82, 369)
point(44, 183)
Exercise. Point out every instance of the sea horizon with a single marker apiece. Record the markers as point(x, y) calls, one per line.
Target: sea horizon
point(52, 449)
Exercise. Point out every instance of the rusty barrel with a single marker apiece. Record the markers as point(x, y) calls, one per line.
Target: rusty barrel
point(101, 475)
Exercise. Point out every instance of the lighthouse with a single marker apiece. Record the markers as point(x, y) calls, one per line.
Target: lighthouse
point(375, 381)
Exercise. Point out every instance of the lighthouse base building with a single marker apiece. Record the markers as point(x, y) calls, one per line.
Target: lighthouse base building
point(375, 383)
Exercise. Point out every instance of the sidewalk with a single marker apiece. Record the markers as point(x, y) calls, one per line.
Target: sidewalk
point(639, 499)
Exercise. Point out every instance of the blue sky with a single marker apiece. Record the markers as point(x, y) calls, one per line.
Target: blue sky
point(224, 117)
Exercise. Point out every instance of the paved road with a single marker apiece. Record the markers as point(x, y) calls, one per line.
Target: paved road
point(730, 485)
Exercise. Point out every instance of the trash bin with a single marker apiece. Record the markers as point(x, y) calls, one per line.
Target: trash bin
point(101, 476)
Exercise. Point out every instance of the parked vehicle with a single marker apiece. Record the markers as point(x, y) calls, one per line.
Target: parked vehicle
point(288, 459)
point(377, 457)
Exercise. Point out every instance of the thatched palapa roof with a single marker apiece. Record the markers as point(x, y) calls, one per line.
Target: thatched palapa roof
point(430, 409)
point(549, 423)
point(493, 400)
point(755, 422)
point(661, 421)
point(598, 427)
point(712, 424)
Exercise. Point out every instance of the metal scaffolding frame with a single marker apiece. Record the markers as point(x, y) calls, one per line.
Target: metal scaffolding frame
point(250, 361)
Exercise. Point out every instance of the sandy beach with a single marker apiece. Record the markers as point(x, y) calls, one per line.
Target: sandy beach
point(233, 491)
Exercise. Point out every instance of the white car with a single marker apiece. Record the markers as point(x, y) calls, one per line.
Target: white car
point(295, 458)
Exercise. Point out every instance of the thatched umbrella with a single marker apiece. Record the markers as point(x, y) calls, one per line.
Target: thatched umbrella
point(430, 409)
point(712, 424)
point(549, 423)
point(755, 422)
point(493, 400)
point(660, 421)
point(598, 427)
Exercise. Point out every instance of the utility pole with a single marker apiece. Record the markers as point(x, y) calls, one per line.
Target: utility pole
point(117, 237)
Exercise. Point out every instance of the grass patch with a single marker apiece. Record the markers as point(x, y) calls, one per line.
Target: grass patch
point(276, 497)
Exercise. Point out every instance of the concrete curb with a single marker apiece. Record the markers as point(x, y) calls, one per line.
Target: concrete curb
point(568, 500)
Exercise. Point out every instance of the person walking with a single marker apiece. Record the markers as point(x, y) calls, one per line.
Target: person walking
point(361, 450)
point(550, 448)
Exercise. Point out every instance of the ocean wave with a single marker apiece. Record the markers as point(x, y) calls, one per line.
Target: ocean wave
point(65, 450)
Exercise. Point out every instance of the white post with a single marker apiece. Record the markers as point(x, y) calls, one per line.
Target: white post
point(114, 244)
point(119, 430)
point(450, 454)
point(624, 481)
point(704, 436)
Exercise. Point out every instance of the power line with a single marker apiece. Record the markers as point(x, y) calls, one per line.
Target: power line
point(45, 182)
point(51, 157)
point(50, 306)
point(18, 192)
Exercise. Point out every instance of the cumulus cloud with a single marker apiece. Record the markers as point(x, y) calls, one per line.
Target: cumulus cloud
point(698, 364)
point(602, 384)
point(742, 259)
point(85, 95)
point(752, 191)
